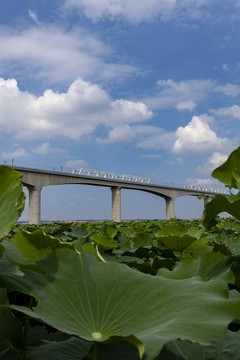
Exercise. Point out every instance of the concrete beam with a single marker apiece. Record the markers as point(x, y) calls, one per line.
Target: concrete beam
point(169, 208)
point(34, 204)
point(116, 204)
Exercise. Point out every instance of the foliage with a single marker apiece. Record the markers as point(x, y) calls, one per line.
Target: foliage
point(163, 290)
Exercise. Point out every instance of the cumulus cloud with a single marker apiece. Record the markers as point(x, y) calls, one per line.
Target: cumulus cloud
point(182, 95)
point(135, 11)
point(75, 113)
point(215, 160)
point(75, 164)
point(52, 53)
point(198, 136)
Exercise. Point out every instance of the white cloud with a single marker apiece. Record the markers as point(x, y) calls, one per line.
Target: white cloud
point(49, 52)
point(135, 11)
point(126, 133)
point(18, 153)
point(161, 139)
point(74, 114)
point(33, 16)
point(228, 89)
point(182, 95)
point(233, 111)
point(45, 148)
point(197, 136)
point(75, 164)
point(199, 181)
point(225, 67)
point(215, 160)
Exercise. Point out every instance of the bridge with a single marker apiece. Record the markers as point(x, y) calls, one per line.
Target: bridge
point(36, 179)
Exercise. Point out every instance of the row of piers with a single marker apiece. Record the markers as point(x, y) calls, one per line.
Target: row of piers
point(35, 204)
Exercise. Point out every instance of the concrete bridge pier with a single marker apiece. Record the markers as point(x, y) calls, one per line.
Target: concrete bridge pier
point(207, 199)
point(116, 203)
point(34, 204)
point(169, 208)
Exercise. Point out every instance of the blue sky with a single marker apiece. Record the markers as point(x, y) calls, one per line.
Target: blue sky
point(140, 87)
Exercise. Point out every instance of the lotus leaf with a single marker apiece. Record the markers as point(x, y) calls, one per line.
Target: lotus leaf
point(226, 349)
point(12, 198)
point(96, 301)
point(217, 205)
point(177, 238)
point(211, 264)
point(229, 172)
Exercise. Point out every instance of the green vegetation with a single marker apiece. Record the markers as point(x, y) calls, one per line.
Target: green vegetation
point(166, 290)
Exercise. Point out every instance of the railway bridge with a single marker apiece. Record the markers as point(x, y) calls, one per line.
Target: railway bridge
point(36, 179)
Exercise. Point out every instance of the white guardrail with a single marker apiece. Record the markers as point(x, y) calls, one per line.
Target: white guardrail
point(205, 188)
point(132, 178)
point(110, 175)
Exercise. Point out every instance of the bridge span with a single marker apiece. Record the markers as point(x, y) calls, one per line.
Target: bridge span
point(36, 179)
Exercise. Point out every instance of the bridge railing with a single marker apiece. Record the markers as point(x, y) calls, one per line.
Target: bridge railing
point(110, 175)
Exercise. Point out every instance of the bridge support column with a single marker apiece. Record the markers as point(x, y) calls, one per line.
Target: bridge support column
point(207, 199)
point(169, 208)
point(34, 204)
point(116, 204)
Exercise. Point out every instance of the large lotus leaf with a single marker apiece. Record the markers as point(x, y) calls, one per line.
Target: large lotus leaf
point(10, 329)
point(209, 265)
point(226, 349)
point(229, 172)
point(26, 248)
point(11, 198)
point(177, 238)
point(94, 300)
point(217, 205)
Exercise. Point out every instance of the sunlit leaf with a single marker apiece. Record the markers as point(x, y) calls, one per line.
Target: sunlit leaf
point(95, 301)
point(229, 172)
point(11, 198)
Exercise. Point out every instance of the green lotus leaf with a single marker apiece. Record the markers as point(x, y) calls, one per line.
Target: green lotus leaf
point(141, 238)
point(225, 349)
point(103, 241)
point(12, 198)
point(10, 329)
point(229, 172)
point(177, 238)
point(216, 206)
point(96, 301)
point(209, 265)
point(26, 248)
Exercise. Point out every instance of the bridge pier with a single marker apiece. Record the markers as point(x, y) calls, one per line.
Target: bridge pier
point(116, 204)
point(169, 208)
point(34, 204)
point(207, 199)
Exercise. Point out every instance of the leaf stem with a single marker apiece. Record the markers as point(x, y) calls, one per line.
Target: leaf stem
point(26, 332)
point(96, 351)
